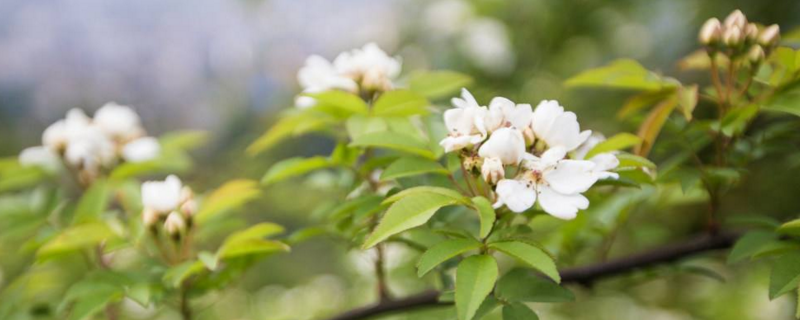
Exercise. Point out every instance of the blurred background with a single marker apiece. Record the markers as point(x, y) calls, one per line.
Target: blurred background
point(230, 66)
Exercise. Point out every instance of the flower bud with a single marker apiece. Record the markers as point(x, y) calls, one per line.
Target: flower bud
point(186, 194)
point(175, 223)
point(529, 136)
point(711, 32)
point(732, 36)
point(189, 208)
point(770, 36)
point(492, 170)
point(736, 19)
point(751, 32)
point(471, 162)
point(756, 54)
point(149, 217)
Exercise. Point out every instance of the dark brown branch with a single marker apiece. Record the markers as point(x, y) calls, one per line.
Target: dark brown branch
point(581, 275)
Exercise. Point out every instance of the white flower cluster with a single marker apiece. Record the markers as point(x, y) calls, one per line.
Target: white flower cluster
point(168, 201)
point(90, 145)
point(538, 143)
point(368, 69)
point(736, 36)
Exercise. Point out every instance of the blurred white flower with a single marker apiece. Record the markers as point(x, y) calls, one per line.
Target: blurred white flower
point(464, 123)
point(142, 149)
point(119, 122)
point(318, 75)
point(88, 148)
point(591, 142)
point(447, 17)
point(556, 127)
point(162, 196)
point(485, 41)
point(370, 66)
point(174, 223)
point(39, 157)
point(505, 144)
point(556, 183)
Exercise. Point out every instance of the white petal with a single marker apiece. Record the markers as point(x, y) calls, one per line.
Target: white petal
point(520, 116)
point(466, 100)
point(588, 145)
point(544, 116)
point(507, 144)
point(571, 176)
point(142, 149)
point(565, 132)
point(552, 156)
point(515, 195)
point(41, 157)
point(162, 196)
point(118, 121)
point(457, 143)
point(559, 205)
point(604, 162)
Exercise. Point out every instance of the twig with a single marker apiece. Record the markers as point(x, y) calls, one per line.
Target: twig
point(585, 275)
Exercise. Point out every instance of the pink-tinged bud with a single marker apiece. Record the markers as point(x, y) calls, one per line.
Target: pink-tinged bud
point(149, 217)
point(529, 136)
point(756, 54)
point(751, 32)
point(175, 223)
point(189, 208)
point(711, 32)
point(186, 194)
point(732, 36)
point(770, 36)
point(736, 19)
point(492, 170)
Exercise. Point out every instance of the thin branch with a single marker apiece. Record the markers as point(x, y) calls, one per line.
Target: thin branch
point(585, 275)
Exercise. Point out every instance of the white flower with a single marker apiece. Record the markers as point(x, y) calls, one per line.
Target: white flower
point(370, 66)
point(162, 196)
point(492, 170)
point(555, 182)
point(319, 75)
point(89, 148)
point(119, 122)
point(58, 134)
point(485, 42)
point(505, 113)
point(556, 127)
point(464, 123)
point(175, 223)
point(505, 144)
point(39, 157)
point(140, 150)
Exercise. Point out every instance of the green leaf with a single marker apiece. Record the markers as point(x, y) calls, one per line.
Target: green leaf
point(488, 305)
point(735, 122)
point(395, 141)
point(183, 140)
point(642, 100)
point(520, 285)
point(438, 84)
point(175, 275)
point(258, 231)
point(651, 127)
point(427, 190)
point(400, 103)
point(787, 101)
point(339, 104)
point(687, 100)
point(294, 167)
point(76, 237)
point(622, 74)
point(21, 177)
point(518, 311)
point(168, 162)
point(444, 251)
point(93, 301)
point(619, 141)
point(359, 125)
point(530, 255)
point(791, 228)
point(250, 246)
point(633, 161)
point(409, 212)
point(411, 166)
point(486, 214)
point(785, 275)
point(141, 293)
point(93, 202)
point(229, 196)
point(293, 124)
point(475, 278)
point(750, 244)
